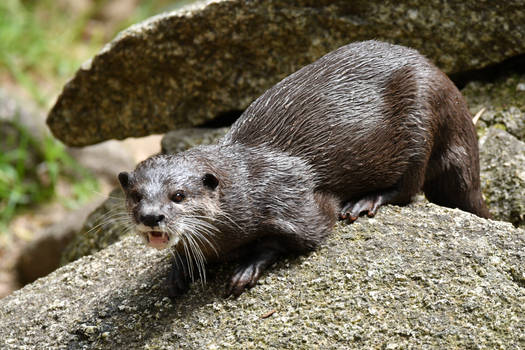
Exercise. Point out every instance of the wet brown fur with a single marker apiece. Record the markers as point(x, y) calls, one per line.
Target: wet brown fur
point(369, 119)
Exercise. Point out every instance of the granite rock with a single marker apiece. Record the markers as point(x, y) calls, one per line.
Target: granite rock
point(183, 68)
point(420, 276)
point(503, 99)
point(181, 140)
point(104, 226)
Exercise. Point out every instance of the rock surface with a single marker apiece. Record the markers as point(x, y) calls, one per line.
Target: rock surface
point(502, 159)
point(504, 101)
point(420, 276)
point(182, 68)
point(41, 255)
point(104, 226)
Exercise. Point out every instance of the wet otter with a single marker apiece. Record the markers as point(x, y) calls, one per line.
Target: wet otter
point(367, 124)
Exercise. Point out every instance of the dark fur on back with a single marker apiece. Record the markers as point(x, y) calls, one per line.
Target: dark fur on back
point(371, 116)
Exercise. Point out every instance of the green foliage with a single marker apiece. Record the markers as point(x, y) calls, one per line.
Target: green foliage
point(43, 42)
point(34, 43)
point(30, 170)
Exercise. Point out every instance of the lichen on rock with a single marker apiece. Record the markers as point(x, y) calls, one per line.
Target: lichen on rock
point(420, 276)
point(503, 99)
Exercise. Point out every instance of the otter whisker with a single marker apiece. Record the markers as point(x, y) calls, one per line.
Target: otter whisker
point(202, 230)
point(193, 250)
point(114, 212)
point(205, 222)
point(199, 258)
point(112, 217)
point(177, 257)
point(118, 209)
point(203, 226)
point(205, 241)
point(117, 217)
point(226, 216)
point(196, 256)
point(188, 256)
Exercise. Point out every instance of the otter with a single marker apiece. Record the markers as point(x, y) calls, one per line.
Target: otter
point(368, 124)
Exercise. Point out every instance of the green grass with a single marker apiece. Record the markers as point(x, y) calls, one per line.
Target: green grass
point(42, 44)
point(34, 44)
point(30, 170)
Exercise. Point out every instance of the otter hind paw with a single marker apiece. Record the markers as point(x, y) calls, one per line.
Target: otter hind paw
point(367, 205)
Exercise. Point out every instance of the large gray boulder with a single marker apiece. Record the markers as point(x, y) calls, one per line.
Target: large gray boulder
point(183, 68)
point(420, 276)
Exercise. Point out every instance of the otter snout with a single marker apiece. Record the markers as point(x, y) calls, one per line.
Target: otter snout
point(151, 227)
point(151, 220)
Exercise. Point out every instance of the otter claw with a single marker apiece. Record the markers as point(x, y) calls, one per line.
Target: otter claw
point(367, 205)
point(245, 277)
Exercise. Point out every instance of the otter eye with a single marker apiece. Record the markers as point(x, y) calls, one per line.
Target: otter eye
point(135, 196)
point(177, 197)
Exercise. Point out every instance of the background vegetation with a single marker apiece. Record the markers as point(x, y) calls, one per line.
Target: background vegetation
point(42, 43)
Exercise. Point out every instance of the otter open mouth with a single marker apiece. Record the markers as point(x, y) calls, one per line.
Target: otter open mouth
point(157, 239)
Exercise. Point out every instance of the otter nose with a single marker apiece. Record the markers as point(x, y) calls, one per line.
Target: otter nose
point(151, 220)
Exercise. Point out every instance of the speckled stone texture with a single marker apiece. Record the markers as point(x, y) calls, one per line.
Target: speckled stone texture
point(108, 223)
point(420, 276)
point(502, 159)
point(184, 68)
point(504, 101)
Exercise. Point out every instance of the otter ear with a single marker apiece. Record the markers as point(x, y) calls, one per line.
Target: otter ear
point(210, 181)
point(123, 178)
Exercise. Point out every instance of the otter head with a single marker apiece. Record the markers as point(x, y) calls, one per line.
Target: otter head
point(170, 200)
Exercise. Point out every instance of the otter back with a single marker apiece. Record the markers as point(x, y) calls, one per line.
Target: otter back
point(372, 117)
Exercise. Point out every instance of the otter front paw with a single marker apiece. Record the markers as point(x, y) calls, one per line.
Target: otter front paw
point(245, 277)
point(248, 273)
point(178, 281)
